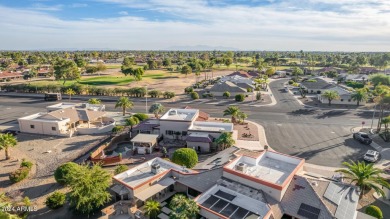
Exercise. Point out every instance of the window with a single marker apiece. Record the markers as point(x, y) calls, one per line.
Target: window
point(349, 100)
point(341, 100)
point(169, 132)
point(183, 133)
point(32, 126)
point(53, 128)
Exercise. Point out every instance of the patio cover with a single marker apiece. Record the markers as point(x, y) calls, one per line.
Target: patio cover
point(145, 138)
point(149, 192)
point(120, 189)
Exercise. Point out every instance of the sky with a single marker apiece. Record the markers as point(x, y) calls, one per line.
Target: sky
point(275, 25)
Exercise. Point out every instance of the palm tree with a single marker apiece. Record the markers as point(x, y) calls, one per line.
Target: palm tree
point(225, 140)
point(386, 121)
point(331, 95)
point(152, 208)
point(156, 109)
point(359, 95)
point(125, 103)
point(365, 176)
point(70, 92)
point(242, 116)
point(232, 111)
point(94, 101)
point(6, 142)
point(182, 207)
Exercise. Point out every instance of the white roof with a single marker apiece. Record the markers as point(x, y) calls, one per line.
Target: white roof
point(62, 105)
point(145, 138)
point(154, 189)
point(211, 126)
point(269, 166)
point(180, 114)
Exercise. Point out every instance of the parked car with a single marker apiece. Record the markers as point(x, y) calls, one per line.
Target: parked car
point(362, 137)
point(371, 156)
point(52, 96)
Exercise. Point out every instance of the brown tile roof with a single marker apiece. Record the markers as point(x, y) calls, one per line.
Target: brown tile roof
point(74, 115)
point(244, 74)
point(5, 74)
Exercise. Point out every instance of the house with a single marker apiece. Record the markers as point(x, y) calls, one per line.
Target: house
point(244, 74)
point(65, 119)
point(327, 69)
point(7, 76)
point(368, 70)
point(221, 87)
point(186, 124)
point(345, 97)
point(352, 77)
point(269, 185)
point(316, 86)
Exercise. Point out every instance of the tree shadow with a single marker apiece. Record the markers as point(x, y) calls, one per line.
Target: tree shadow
point(301, 112)
point(79, 145)
point(332, 113)
point(40, 190)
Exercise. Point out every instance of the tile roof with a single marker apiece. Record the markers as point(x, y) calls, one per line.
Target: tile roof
point(319, 84)
point(5, 74)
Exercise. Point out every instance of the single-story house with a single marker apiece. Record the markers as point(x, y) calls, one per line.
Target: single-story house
point(352, 77)
point(345, 97)
point(218, 89)
point(316, 85)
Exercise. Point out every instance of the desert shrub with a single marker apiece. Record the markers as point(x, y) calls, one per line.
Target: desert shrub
point(189, 90)
point(226, 94)
point(185, 157)
point(120, 169)
point(26, 163)
point(169, 95)
point(154, 93)
point(194, 95)
point(290, 82)
point(374, 211)
point(240, 97)
point(249, 89)
point(117, 129)
point(141, 116)
point(19, 174)
point(55, 200)
point(63, 171)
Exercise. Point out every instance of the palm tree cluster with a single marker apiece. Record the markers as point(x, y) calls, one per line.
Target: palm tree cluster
point(6, 142)
point(236, 114)
point(183, 207)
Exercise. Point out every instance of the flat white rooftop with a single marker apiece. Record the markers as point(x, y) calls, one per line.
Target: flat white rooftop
point(143, 172)
point(234, 204)
point(37, 117)
point(211, 127)
point(180, 114)
point(269, 166)
point(62, 106)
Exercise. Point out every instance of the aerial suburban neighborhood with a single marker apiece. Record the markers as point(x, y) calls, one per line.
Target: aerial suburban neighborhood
point(194, 109)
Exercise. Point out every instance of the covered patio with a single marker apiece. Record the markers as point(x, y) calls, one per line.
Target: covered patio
point(159, 191)
point(144, 143)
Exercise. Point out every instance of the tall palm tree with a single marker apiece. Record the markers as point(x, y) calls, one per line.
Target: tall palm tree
point(365, 176)
point(70, 92)
point(124, 103)
point(359, 95)
point(6, 142)
point(232, 111)
point(94, 101)
point(156, 109)
point(152, 208)
point(331, 95)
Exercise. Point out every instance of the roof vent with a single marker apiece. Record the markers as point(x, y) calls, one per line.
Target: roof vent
point(155, 168)
point(314, 183)
point(172, 112)
point(241, 167)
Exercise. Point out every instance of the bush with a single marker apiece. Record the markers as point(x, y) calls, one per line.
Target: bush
point(169, 95)
point(290, 82)
point(26, 163)
point(120, 169)
point(141, 116)
point(354, 84)
point(226, 94)
point(194, 95)
point(204, 95)
point(258, 96)
point(55, 200)
point(374, 211)
point(19, 174)
point(154, 93)
point(117, 129)
point(62, 172)
point(249, 89)
point(188, 90)
point(240, 97)
point(185, 157)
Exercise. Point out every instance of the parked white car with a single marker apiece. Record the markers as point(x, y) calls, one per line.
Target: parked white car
point(371, 156)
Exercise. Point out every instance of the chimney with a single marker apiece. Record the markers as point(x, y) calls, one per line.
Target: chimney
point(241, 167)
point(155, 168)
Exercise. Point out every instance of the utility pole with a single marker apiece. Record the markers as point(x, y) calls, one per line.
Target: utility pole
point(146, 102)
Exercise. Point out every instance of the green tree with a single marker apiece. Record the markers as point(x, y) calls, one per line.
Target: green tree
point(225, 140)
point(378, 79)
point(226, 94)
point(124, 103)
point(232, 111)
point(55, 200)
point(185, 157)
point(120, 169)
point(228, 62)
point(186, 70)
point(66, 70)
point(360, 95)
point(365, 176)
point(374, 211)
point(94, 101)
point(331, 95)
point(6, 142)
point(242, 116)
point(132, 121)
point(194, 95)
point(141, 116)
point(183, 207)
point(61, 173)
point(296, 72)
point(89, 188)
point(156, 109)
point(152, 208)
point(70, 92)
point(117, 129)
point(239, 97)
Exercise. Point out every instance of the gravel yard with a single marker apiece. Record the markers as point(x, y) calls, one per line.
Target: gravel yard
point(47, 153)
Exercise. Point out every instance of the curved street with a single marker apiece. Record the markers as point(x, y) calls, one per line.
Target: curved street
point(322, 137)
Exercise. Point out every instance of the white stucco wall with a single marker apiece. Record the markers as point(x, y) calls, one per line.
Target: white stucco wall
point(44, 127)
point(173, 126)
point(343, 102)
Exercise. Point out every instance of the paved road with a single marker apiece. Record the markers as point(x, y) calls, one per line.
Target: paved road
point(322, 137)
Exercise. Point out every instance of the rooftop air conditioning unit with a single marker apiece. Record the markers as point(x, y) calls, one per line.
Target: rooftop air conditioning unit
point(155, 168)
point(172, 112)
point(241, 167)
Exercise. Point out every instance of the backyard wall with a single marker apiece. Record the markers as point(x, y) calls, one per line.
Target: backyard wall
point(97, 130)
